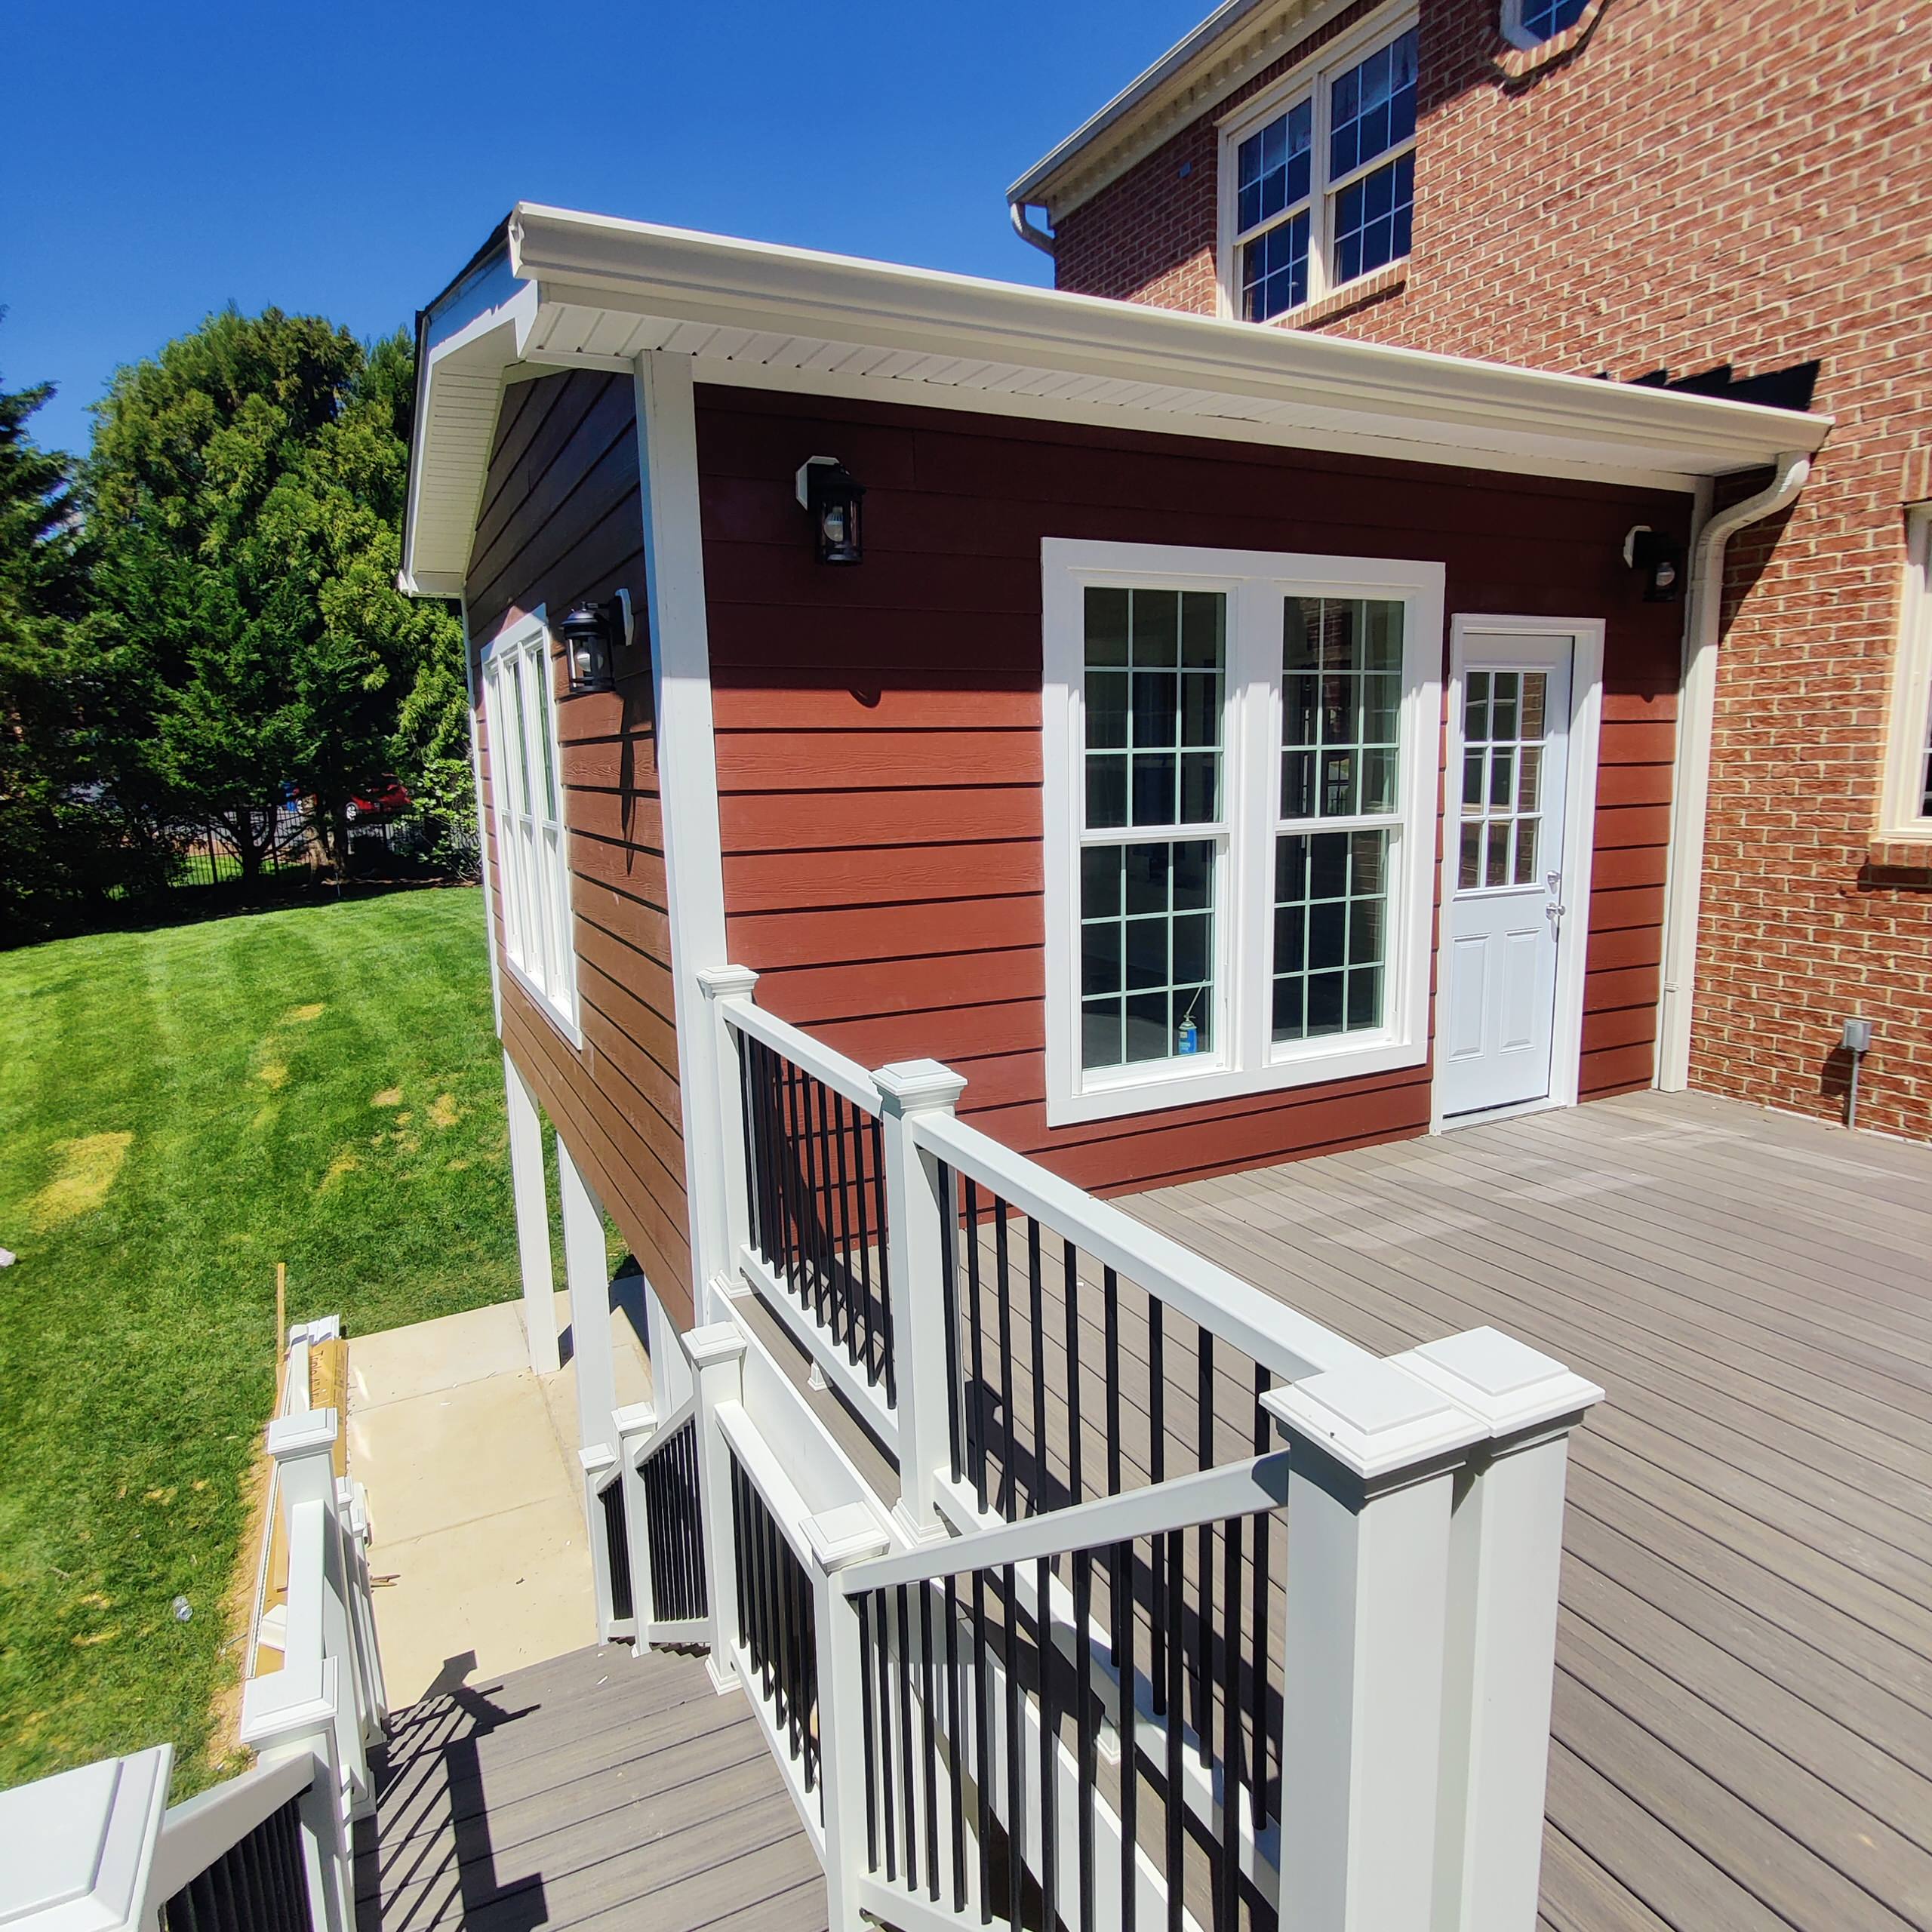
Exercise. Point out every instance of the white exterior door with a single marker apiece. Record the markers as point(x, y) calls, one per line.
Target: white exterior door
point(1505, 922)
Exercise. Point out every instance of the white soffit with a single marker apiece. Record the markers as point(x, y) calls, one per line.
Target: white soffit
point(577, 291)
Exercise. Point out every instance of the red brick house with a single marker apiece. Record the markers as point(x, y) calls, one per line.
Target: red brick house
point(1736, 199)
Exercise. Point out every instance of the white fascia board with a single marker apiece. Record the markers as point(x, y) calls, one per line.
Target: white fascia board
point(1411, 395)
point(479, 331)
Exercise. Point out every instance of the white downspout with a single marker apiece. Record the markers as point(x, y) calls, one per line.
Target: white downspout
point(1690, 788)
point(1040, 238)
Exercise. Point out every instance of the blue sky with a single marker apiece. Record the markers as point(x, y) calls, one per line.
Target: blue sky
point(165, 158)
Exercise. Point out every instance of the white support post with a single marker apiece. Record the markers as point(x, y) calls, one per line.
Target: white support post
point(717, 1355)
point(533, 1220)
point(837, 1538)
point(303, 1448)
point(1505, 1555)
point(726, 987)
point(915, 1213)
point(293, 1711)
point(1373, 1453)
point(586, 1270)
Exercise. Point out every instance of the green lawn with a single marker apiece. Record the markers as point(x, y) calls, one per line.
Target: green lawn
point(179, 1110)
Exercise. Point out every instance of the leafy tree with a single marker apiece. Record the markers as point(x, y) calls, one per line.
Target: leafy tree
point(245, 498)
point(68, 835)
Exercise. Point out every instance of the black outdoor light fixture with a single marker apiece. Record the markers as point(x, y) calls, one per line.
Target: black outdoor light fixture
point(1660, 558)
point(591, 633)
point(826, 489)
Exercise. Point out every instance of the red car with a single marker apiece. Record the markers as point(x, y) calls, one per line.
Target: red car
point(391, 795)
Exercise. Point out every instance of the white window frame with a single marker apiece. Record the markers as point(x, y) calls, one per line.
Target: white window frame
point(1902, 813)
point(1312, 81)
point(1518, 35)
point(1245, 1058)
point(532, 842)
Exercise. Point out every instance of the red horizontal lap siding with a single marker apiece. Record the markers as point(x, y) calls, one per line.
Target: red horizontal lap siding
point(561, 520)
point(878, 731)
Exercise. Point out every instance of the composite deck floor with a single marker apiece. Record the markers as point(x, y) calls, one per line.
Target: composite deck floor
point(1743, 1704)
point(596, 1790)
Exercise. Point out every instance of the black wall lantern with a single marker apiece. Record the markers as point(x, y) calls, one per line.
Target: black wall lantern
point(591, 633)
point(826, 489)
point(1660, 558)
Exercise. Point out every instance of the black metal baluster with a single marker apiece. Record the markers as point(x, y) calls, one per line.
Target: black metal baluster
point(930, 1698)
point(955, 1736)
point(1016, 1812)
point(906, 1737)
point(1204, 1342)
point(1044, 1646)
point(982, 1745)
point(1070, 1281)
point(862, 1200)
point(791, 1178)
point(1264, 1741)
point(976, 1320)
point(748, 1113)
point(1036, 1488)
point(1086, 1741)
point(1129, 1747)
point(1156, 1458)
point(887, 1809)
point(885, 1275)
point(843, 1113)
point(826, 1302)
point(1229, 1902)
point(948, 1264)
point(1177, 1844)
point(1007, 1405)
point(868, 1733)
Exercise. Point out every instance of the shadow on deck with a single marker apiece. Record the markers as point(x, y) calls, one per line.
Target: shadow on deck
point(595, 1790)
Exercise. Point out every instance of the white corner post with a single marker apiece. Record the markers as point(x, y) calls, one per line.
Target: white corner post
point(635, 1426)
point(717, 1355)
point(916, 1216)
point(303, 1448)
point(587, 1271)
point(1506, 1554)
point(288, 1713)
point(687, 787)
point(836, 1538)
point(727, 989)
point(1373, 1452)
point(80, 1846)
point(532, 1198)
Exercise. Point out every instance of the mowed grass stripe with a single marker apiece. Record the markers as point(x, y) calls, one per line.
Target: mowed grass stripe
point(179, 1109)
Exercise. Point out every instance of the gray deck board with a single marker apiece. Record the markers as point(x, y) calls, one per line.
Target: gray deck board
point(1743, 1709)
point(594, 1790)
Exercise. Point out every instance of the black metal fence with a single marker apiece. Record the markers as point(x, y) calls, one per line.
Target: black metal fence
point(285, 842)
point(674, 1527)
point(617, 1545)
point(777, 1624)
point(259, 1884)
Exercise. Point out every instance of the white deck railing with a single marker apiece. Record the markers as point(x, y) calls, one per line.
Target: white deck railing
point(271, 1850)
point(1155, 1531)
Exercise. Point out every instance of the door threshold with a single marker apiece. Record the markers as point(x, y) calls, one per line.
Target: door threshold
point(1543, 1103)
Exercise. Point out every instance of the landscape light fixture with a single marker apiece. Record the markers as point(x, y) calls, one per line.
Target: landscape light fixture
point(825, 488)
point(1660, 558)
point(591, 633)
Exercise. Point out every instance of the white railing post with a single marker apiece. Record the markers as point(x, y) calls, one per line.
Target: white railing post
point(296, 1709)
point(717, 1355)
point(303, 1448)
point(726, 987)
point(531, 1198)
point(353, 1511)
point(77, 1848)
point(1505, 1555)
point(916, 1211)
point(839, 1537)
point(1373, 1454)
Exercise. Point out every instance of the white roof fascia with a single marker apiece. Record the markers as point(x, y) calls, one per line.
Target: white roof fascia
point(586, 291)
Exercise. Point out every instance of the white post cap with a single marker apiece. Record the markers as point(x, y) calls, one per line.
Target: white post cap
point(850, 1533)
point(1377, 1419)
point(1513, 1387)
point(78, 1846)
point(919, 1086)
point(716, 1342)
point(726, 982)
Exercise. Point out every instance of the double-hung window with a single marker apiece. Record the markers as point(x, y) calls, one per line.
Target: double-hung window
point(520, 707)
point(1906, 812)
point(1528, 23)
point(1321, 177)
point(1241, 797)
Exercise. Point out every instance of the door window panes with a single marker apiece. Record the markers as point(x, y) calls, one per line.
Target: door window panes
point(1506, 732)
point(1154, 685)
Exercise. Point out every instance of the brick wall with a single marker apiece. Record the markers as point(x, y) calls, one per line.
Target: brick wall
point(1694, 183)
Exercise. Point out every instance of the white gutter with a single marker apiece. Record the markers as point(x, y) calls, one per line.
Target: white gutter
point(1690, 788)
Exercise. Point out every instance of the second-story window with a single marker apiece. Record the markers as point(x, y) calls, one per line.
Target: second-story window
point(1531, 23)
point(1323, 178)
